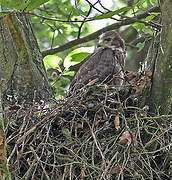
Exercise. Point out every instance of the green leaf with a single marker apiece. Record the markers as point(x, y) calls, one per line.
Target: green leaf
point(110, 14)
point(138, 26)
point(33, 4)
point(149, 30)
point(69, 73)
point(155, 13)
point(148, 18)
point(3, 13)
point(150, 2)
point(52, 61)
point(139, 3)
point(77, 55)
point(22, 4)
point(77, 1)
point(14, 4)
point(140, 46)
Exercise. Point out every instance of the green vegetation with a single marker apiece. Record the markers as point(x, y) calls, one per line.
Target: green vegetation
point(98, 132)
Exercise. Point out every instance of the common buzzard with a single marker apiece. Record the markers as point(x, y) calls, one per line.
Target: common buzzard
point(106, 64)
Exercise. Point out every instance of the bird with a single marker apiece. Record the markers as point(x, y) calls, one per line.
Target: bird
point(105, 65)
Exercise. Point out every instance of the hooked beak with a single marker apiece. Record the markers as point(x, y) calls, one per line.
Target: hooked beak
point(102, 44)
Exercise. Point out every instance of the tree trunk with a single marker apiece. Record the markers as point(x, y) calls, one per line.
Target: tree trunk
point(161, 93)
point(22, 76)
point(21, 69)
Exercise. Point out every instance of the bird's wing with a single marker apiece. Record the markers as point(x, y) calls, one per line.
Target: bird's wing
point(98, 65)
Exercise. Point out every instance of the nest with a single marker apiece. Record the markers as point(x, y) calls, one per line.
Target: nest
point(97, 132)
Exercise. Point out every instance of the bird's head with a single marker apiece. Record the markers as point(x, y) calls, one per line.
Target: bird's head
point(111, 39)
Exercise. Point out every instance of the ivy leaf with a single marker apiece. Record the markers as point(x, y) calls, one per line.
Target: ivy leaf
point(110, 14)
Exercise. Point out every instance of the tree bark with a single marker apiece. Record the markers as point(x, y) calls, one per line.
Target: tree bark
point(21, 69)
point(161, 93)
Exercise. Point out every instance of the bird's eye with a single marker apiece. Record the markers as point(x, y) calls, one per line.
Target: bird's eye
point(107, 39)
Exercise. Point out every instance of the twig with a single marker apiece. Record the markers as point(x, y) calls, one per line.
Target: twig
point(79, 31)
point(96, 143)
point(99, 32)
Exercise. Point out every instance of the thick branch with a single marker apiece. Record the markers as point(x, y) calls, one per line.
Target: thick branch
point(97, 33)
point(161, 95)
point(21, 62)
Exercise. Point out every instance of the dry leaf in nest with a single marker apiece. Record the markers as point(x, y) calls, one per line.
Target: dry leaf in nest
point(138, 81)
point(116, 169)
point(145, 110)
point(92, 82)
point(127, 137)
point(14, 107)
point(133, 135)
point(83, 175)
point(148, 73)
point(82, 105)
point(130, 75)
point(99, 121)
point(11, 108)
point(117, 123)
point(139, 87)
point(1, 139)
point(142, 83)
point(79, 126)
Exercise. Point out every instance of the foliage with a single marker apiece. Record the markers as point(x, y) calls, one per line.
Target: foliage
point(96, 132)
point(58, 31)
point(27, 5)
point(52, 61)
point(57, 22)
point(77, 56)
point(110, 14)
point(59, 76)
point(70, 24)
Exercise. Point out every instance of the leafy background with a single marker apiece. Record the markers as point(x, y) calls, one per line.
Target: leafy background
point(57, 22)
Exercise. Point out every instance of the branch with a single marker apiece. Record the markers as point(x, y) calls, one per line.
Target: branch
point(161, 88)
point(99, 32)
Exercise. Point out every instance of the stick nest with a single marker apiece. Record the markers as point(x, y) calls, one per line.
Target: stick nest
point(97, 132)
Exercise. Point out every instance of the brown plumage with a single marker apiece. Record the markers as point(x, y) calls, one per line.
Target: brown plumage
point(106, 63)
